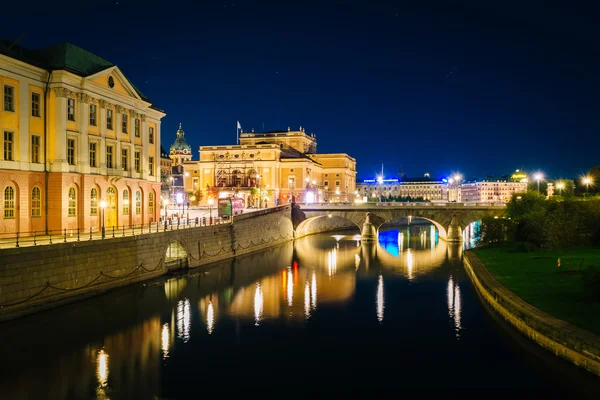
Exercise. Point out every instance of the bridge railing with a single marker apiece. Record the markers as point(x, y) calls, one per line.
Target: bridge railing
point(402, 204)
point(37, 238)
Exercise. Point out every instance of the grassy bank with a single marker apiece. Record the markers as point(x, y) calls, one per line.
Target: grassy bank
point(536, 278)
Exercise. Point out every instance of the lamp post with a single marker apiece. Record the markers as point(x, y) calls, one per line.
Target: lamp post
point(210, 203)
point(103, 207)
point(587, 182)
point(538, 177)
point(166, 203)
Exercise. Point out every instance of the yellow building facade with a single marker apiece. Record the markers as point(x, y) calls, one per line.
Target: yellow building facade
point(76, 136)
point(271, 168)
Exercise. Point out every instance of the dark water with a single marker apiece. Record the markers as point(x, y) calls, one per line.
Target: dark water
point(326, 314)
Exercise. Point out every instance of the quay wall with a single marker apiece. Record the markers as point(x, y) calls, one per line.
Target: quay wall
point(34, 278)
point(574, 344)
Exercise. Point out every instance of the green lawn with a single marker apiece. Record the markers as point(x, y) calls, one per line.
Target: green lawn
point(536, 279)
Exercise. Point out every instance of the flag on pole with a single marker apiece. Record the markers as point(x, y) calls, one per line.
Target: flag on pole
point(238, 125)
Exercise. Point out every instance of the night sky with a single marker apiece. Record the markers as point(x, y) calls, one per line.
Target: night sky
point(438, 87)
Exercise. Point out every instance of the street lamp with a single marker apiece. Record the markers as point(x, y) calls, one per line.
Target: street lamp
point(166, 203)
point(103, 207)
point(210, 203)
point(560, 186)
point(587, 180)
point(538, 177)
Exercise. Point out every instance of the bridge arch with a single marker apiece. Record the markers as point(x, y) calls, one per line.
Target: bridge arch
point(326, 223)
point(176, 255)
point(442, 231)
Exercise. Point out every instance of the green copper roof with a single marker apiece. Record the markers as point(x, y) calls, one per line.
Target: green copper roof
point(64, 56)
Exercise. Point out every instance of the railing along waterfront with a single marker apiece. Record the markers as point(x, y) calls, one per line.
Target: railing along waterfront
point(400, 204)
point(38, 238)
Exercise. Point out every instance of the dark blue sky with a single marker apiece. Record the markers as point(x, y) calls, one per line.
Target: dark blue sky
point(438, 87)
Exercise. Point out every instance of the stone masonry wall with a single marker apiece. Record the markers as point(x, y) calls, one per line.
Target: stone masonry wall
point(38, 277)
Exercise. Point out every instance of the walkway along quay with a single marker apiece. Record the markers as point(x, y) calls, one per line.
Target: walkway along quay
point(565, 340)
point(36, 277)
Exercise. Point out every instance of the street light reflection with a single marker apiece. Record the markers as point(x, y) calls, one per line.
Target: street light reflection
point(164, 341)
point(210, 318)
point(102, 370)
point(258, 304)
point(380, 298)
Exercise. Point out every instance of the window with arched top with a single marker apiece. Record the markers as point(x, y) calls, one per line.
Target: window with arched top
point(72, 209)
point(236, 178)
point(94, 202)
point(138, 202)
point(9, 202)
point(151, 203)
point(36, 202)
point(125, 202)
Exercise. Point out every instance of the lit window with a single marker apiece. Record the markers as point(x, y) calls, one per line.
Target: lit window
point(72, 210)
point(94, 202)
point(36, 202)
point(151, 203)
point(137, 161)
point(9, 202)
point(138, 202)
point(125, 202)
point(124, 160)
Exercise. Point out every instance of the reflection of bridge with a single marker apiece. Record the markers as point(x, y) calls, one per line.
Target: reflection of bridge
point(449, 218)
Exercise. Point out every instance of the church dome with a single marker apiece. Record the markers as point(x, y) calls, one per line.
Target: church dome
point(180, 146)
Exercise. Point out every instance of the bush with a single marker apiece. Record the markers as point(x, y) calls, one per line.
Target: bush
point(591, 282)
point(525, 247)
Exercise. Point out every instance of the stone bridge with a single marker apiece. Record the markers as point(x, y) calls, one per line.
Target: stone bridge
point(449, 218)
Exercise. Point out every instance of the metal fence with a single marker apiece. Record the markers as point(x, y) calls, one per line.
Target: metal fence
point(37, 238)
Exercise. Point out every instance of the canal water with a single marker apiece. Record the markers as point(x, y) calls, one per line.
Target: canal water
point(326, 314)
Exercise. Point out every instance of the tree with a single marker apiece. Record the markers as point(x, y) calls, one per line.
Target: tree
point(562, 225)
point(492, 230)
point(527, 211)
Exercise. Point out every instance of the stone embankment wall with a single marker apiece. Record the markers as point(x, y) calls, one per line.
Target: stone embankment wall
point(39, 277)
point(576, 345)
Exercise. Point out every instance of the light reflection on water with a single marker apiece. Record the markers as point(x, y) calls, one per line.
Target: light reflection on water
point(319, 283)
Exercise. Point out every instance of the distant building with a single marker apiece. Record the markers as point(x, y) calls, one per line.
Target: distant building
point(272, 167)
point(427, 188)
point(180, 150)
point(491, 190)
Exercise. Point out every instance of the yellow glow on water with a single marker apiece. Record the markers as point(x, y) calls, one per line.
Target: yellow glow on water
point(290, 287)
point(409, 263)
point(210, 317)
point(258, 304)
point(457, 309)
point(307, 300)
point(102, 369)
point(356, 261)
point(164, 340)
point(332, 262)
point(183, 320)
point(380, 299)
point(450, 294)
point(313, 291)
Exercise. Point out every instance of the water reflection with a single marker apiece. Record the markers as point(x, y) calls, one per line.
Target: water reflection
point(454, 305)
point(380, 304)
point(321, 283)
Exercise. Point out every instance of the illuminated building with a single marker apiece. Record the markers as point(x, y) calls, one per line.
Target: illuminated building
point(75, 134)
point(272, 167)
point(427, 188)
point(491, 190)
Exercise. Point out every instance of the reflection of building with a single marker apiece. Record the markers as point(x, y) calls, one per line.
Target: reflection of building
point(273, 166)
point(75, 132)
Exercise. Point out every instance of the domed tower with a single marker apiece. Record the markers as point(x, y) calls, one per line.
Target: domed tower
point(180, 150)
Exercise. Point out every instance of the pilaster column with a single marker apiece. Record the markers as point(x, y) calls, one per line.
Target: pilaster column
point(22, 136)
point(58, 160)
point(83, 164)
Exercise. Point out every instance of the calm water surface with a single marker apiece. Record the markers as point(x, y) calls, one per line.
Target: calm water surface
point(324, 314)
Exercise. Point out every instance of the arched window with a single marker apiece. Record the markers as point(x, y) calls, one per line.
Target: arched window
point(138, 202)
point(236, 178)
point(72, 202)
point(9, 202)
point(36, 202)
point(252, 181)
point(151, 203)
point(94, 202)
point(125, 202)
